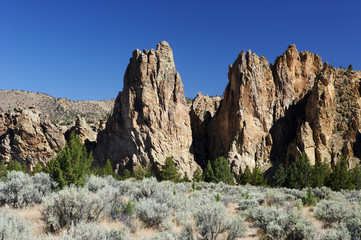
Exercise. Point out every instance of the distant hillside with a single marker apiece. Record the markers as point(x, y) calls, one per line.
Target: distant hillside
point(59, 110)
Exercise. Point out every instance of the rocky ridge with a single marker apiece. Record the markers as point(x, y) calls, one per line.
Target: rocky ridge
point(27, 139)
point(57, 110)
point(150, 120)
point(268, 114)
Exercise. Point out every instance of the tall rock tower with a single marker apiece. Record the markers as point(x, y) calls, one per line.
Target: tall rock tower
point(150, 120)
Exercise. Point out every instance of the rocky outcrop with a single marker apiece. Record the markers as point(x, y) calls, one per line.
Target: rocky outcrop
point(271, 114)
point(28, 139)
point(150, 120)
point(240, 128)
point(83, 130)
point(202, 111)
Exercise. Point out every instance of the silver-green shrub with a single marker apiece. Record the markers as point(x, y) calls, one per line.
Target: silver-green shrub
point(353, 196)
point(96, 183)
point(277, 196)
point(210, 220)
point(164, 236)
point(20, 189)
point(353, 225)
point(71, 206)
point(92, 231)
point(152, 212)
point(278, 223)
point(332, 211)
point(245, 204)
point(236, 228)
point(341, 233)
point(13, 228)
point(321, 193)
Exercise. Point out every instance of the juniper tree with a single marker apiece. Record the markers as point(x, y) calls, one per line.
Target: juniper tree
point(197, 175)
point(299, 173)
point(340, 178)
point(222, 172)
point(72, 164)
point(280, 176)
point(320, 174)
point(208, 174)
point(258, 177)
point(245, 177)
point(170, 171)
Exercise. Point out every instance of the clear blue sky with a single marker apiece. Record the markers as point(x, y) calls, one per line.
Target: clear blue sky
point(80, 49)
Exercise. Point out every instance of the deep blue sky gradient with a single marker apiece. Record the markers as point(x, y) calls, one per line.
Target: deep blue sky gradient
point(79, 49)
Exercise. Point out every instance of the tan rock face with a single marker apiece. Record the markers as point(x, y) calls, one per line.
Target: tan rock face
point(271, 114)
point(83, 130)
point(150, 120)
point(26, 138)
point(333, 112)
point(240, 127)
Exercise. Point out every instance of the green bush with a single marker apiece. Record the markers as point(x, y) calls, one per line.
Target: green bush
point(299, 173)
point(72, 164)
point(222, 172)
point(169, 171)
point(340, 178)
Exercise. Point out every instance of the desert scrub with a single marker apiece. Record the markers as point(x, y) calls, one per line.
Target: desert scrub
point(20, 189)
point(95, 183)
point(210, 220)
point(277, 223)
point(245, 204)
point(152, 212)
point(13, 228)
point(340, 233)
point(71, 206)
point(332, 212)
point(88, 231)
point(277, 196)
point(353, 225)
point(322, 192)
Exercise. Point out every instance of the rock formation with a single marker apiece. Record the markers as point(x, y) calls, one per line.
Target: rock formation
point(150, 120)
point(202, 111)
point(271, 114)
point(83, 130)
point(268, 114)
point(28, 139)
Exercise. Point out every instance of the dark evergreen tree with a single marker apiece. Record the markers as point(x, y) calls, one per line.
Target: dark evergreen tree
point(14, 165)
point(340, 178)
point(72, 164)
point(356, 177)
point(350, 67)
point(169, 171)
point(37, 168)
point(185, 178)
point(208, 174)
point(126, 175)
point(299, 173)
point(140, 172)
point(3, 170)
point(258, 177)
point(245, 177)
point(197, 175)
point(280, 176)
point(222, 172)
point(320, 174)
point(108, 169)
